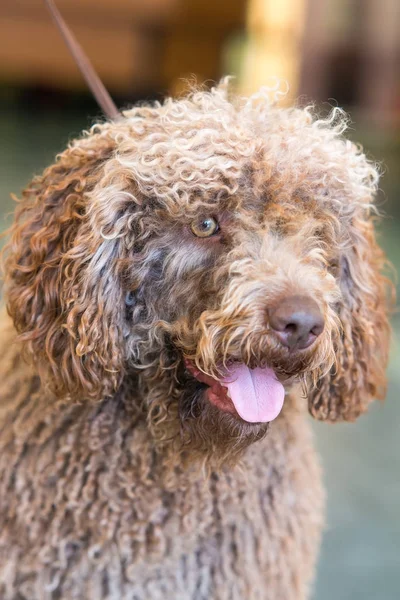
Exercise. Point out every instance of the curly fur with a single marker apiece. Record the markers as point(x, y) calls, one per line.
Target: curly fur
point(103, 428)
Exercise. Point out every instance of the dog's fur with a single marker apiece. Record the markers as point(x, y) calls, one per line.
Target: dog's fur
point(104, 432)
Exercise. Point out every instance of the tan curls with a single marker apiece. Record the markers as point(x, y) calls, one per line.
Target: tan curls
point(66, 323)
point(358, 376)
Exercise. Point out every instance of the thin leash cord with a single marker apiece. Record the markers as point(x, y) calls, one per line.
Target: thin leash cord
point(95, 84)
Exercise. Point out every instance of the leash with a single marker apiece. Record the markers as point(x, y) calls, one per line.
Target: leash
point(94, 82)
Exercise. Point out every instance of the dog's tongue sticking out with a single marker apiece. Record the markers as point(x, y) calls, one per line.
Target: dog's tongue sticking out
point(256, 393)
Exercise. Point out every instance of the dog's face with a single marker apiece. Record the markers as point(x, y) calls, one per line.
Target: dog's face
point(212, 254)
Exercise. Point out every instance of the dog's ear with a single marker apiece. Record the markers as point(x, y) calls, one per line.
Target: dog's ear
point(362, 348)
point(59, 277)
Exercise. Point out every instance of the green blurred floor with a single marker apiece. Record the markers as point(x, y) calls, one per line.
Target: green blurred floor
point(360, 558)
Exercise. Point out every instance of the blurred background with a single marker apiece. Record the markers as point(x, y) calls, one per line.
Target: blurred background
point(335, 52)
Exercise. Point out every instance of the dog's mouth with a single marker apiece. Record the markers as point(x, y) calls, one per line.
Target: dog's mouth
point(254, 395)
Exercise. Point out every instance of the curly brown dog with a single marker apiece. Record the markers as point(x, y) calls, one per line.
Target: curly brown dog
point(181, 280)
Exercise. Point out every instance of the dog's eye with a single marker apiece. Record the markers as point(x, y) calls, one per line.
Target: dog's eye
point(204, 227)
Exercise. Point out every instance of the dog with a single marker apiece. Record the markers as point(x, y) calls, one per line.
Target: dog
point(183, 285)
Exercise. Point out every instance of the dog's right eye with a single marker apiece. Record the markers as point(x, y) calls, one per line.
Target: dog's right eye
point(204, 227)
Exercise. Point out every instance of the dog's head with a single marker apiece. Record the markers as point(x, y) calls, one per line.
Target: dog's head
point(209, 252)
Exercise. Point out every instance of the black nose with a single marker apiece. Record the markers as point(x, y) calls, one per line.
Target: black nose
point(297, 321)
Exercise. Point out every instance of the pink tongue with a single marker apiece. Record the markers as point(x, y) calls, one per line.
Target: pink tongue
point(256, 393)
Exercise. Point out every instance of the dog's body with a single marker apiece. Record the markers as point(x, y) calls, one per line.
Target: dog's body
point(124, 527)
point(164, 263)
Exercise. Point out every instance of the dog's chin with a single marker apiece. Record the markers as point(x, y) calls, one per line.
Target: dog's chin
point(213, 423)
point(210, 425)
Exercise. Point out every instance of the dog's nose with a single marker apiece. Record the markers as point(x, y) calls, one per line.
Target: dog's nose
point(297, 321)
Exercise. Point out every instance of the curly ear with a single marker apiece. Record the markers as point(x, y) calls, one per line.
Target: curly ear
point(66, 316)
point(362, 350)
